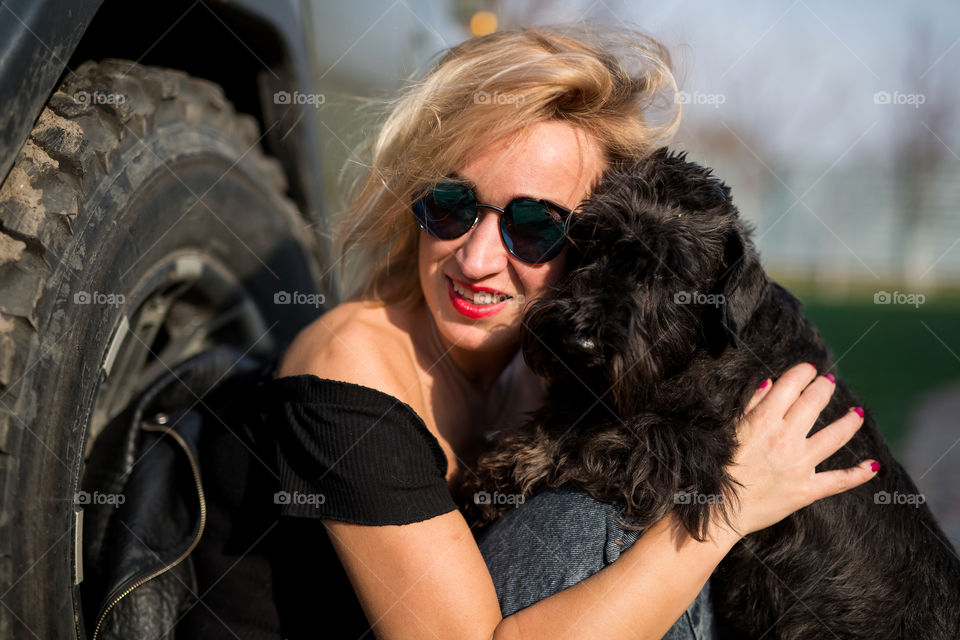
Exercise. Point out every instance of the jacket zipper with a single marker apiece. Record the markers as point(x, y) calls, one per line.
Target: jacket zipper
point(203, 520)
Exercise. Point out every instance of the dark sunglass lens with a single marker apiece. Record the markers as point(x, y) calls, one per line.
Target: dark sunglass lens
point(447, 211)
point(532, 232)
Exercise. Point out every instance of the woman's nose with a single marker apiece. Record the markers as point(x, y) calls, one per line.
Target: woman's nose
point(483, 252)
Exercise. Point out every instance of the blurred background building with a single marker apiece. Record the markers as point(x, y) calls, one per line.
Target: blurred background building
point(836, 124)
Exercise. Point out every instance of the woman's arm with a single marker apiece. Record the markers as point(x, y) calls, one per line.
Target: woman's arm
point(428, 579)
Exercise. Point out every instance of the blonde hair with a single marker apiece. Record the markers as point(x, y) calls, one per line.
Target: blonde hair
point(599, 79)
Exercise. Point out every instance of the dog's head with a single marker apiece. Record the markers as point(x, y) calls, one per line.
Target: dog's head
point(660, 266)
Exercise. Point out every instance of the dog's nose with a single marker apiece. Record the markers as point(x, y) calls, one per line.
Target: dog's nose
point(581, 342)
point(587, 344)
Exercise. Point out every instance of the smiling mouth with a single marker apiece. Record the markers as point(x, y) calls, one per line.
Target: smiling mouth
point(479, 298)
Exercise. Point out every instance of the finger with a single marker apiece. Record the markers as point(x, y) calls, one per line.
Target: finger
point(786, 390)
point(828, 483)
point(803, 414)
point(758, 395)
point(827, 441)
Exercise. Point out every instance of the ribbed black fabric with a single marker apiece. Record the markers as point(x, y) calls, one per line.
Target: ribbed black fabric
point(352, 453)
point(267, 577)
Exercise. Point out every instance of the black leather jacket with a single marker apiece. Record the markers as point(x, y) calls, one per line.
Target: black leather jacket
point(138, 574)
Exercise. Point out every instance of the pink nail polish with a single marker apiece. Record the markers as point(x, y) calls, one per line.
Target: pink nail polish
point(874, 466)
point(829, 376)
point(763, 385)
point(859, 411)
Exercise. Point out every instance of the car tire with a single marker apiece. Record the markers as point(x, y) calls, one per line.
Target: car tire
point(140, 224)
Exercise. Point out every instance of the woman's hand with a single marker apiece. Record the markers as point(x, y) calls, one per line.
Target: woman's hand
point(775, 461)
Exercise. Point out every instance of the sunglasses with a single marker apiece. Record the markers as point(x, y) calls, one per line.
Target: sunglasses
point(532, 230)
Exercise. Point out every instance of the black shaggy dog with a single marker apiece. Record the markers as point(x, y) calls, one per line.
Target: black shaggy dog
point(652, 348)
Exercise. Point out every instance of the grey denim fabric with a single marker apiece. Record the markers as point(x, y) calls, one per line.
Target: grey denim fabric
point(558, 538)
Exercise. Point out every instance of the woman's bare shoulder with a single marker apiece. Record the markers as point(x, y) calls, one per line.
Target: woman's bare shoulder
point(358, 342)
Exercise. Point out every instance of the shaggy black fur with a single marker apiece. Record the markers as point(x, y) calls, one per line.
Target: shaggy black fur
point(652, 348)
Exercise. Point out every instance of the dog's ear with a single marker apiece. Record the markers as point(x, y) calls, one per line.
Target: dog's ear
point(710, 218)
point(740, 285)
point(721, 322)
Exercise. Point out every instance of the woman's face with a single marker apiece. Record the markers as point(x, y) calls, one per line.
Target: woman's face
point(551, 160)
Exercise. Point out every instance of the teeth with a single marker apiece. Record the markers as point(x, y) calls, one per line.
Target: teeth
point(479, 297)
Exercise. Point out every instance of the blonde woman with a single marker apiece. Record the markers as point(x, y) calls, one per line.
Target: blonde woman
point(379, 408)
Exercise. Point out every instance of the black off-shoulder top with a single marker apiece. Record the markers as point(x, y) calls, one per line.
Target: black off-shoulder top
point(352, 453)
point(278, 445)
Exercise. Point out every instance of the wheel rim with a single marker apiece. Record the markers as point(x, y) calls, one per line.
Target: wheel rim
point(184, 305)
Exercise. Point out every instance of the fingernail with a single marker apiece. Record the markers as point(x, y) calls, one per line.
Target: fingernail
point(859, 411)
point(763, 385)
point(829, 376)
point(812, 365)
point(874, 466)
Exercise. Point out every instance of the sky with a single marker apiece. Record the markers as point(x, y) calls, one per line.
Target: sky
point(801, 76)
